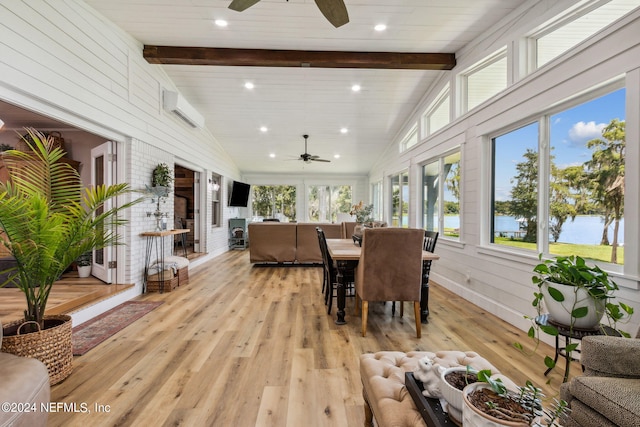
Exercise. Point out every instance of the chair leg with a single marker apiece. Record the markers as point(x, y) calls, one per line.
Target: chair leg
point(401, 309)
point(365, 311)
point(356, 307)
point(416, 312)
point(328, 298)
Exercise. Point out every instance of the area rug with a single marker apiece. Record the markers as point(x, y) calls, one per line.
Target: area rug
point(92, 332)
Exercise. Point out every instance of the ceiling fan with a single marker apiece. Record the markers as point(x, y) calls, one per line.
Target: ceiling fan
point(306, 157)
point(334, 10)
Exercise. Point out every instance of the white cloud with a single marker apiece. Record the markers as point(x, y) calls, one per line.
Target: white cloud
point(582, 132)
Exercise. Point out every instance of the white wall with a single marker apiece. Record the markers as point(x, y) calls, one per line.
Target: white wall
point(499, 279)
point(63, 60)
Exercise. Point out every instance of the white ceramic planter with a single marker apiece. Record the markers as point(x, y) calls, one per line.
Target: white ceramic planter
point(560, 311)
point(473, 417)
point(84, 271)
point(451, 394)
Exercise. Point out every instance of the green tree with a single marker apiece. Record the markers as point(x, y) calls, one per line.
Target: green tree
point(269, 200)
point(560, 206)
point(606, 173)
point(524, 194)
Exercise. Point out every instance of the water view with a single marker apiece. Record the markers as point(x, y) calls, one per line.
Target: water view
point(585, 229)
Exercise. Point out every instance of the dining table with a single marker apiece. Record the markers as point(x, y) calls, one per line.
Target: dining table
point(346, 254)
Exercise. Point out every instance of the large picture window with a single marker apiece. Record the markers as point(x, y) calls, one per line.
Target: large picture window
point(326, 201)
point(577, 184)
point(274, 201)
point(441, 203)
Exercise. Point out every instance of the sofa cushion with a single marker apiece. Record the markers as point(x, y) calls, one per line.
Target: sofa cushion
point(272, 242)
point(617, 398)
point(307, 246)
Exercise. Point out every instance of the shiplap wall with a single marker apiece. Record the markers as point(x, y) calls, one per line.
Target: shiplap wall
point(62, 59)
point(496, 278)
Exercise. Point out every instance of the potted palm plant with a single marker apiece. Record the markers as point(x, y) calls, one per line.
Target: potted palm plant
point(48, 222)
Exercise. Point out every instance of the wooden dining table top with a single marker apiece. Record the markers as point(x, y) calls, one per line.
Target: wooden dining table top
point(347, 250)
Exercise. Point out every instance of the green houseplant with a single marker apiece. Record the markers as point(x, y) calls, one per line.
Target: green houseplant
point(577, 296)
point(489, 402)
point(48, 221)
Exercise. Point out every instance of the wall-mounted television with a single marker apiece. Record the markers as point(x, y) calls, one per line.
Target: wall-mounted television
point(239, 194)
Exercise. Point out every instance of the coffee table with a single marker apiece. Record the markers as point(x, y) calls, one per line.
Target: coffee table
point(430, 409)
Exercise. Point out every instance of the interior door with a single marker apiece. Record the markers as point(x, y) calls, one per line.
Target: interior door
point(103, 171)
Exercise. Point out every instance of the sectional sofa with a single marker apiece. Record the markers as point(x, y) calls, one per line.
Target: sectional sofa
point(292, 243)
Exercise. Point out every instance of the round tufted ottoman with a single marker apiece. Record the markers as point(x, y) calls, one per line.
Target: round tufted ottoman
point(386, 397)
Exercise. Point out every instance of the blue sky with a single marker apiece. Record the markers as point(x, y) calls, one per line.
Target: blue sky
point(570, 131)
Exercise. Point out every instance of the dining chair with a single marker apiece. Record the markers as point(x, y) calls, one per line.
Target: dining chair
point(390, 269)
point(430, 239)
point(330, 273)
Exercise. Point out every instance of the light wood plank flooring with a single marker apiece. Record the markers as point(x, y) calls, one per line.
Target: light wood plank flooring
point(253, 346)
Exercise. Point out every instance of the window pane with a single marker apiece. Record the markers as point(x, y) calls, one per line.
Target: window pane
point(340, 201)
point(586, 207)
point(452, 195)
point(430, 191)
point(274, 201)
point(376, 191)
point(400, 200)
point(486, 82)
point(439, 117)
point(564, 38)
point(515, 188)
point(214, 186)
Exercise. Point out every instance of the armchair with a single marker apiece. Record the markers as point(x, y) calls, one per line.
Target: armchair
point(607, 392)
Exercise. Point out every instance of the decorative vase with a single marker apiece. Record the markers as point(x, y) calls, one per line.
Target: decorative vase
point(51, 345)
point(574, 297)
point(358, 229)
point(474, 417)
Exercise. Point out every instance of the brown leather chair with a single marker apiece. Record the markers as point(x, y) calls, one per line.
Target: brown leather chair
point(390, 269)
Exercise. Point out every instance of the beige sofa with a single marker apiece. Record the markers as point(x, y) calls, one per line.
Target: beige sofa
point(24, 387)
point(286, 242)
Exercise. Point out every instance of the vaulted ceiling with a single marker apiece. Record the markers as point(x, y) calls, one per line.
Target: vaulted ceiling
point(292, 101)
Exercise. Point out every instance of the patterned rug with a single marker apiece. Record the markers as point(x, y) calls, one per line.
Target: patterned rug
point(94, 331)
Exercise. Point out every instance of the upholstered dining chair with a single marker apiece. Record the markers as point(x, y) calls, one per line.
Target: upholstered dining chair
point(390, 269)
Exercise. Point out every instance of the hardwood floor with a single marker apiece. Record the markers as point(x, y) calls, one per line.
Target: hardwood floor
point(245, 346)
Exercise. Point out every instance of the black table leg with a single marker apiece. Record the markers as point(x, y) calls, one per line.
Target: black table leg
point(341, 292)
point(424, 297)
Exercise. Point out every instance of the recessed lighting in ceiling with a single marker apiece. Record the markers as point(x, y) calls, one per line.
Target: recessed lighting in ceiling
point(344, 130)
point(336, 156)
point(249, 85)
point(380, 27)
point(221, 22)
point(356, 88)
point(272, 155)
point(263, 129)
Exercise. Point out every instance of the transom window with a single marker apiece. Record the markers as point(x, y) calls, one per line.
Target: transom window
point(484, 80)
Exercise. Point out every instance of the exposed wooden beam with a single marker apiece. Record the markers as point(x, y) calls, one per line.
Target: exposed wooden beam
point(297, 58)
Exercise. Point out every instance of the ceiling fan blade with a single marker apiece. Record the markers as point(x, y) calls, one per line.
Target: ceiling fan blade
point(240, 5)
point(321, 160)
point(334, 10)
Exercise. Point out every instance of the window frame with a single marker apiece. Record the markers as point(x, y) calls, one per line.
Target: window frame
point(463, 78)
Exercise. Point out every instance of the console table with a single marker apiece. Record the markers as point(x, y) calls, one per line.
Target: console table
point(156, 239)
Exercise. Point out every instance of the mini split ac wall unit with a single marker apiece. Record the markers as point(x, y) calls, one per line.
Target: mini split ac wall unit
point(175, 103)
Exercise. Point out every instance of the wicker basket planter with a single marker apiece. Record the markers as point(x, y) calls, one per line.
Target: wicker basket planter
point(52, 345)
point(154, 284)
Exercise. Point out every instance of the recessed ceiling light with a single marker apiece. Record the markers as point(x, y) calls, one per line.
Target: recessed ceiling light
point(344, 130)
point(263, 129)
point(249, 85)
point(221, 22)
point(380, 27)
point(272, 155)
point(355, 88)
point(336, 156)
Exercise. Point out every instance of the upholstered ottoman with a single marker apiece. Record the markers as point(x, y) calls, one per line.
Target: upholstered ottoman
point(386, 397)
